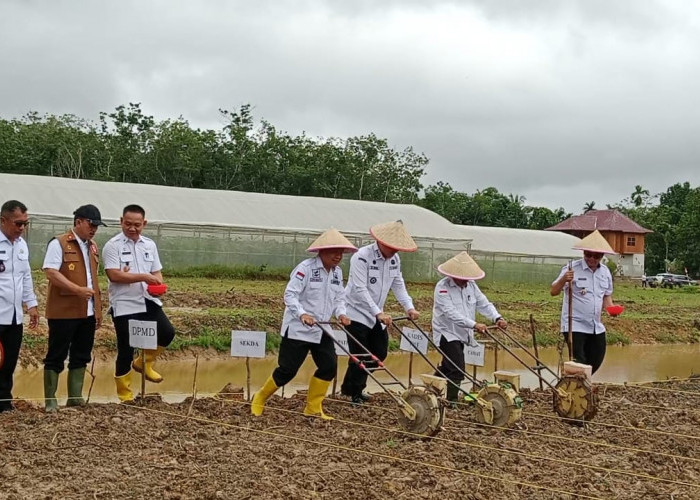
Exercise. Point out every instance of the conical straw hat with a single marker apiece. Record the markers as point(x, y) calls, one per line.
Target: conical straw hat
point(394, 235)
point(461, 267)
point(332, 239)
point(594, 242)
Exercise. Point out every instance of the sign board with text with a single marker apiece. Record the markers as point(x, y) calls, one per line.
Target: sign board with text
point(247, 344)
point(474, 355)
point(341, 338)
point(143, 334)
point(416, 337)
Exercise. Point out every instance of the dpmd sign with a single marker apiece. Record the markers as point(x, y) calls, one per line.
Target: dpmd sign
point(417, 338)
point(246, 344)
point(143, 334)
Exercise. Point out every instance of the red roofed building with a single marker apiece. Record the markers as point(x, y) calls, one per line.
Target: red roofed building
point(625, 236)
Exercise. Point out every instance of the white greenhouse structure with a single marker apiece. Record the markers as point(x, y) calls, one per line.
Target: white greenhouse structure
point(195, 227)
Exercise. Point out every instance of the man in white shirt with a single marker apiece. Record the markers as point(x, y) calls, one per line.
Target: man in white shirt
point(457, 298)
point(73, 304)
point(314, 294)
point(374, 270)
point(132, 263)
point(16, 288)
point(590, 284)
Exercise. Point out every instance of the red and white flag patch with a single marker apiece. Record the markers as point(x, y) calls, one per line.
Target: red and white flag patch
point(442, 291)
point(300, 275)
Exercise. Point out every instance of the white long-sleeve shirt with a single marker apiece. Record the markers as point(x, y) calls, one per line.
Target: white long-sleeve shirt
point(371, 278)
point(454, 310)
point(16, 285)
point(141, 257)
point(590, 287)
point(312, 290)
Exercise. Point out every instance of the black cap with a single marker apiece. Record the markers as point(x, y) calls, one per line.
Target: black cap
point(91, 213)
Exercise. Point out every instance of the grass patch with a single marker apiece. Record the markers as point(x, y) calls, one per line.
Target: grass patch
point(216, 271)
point(667, 338)
point(616, 338)
point(546, 339)
point(31, 341)
point(218, 339)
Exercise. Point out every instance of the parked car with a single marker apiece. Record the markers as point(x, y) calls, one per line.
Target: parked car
point(669, 280)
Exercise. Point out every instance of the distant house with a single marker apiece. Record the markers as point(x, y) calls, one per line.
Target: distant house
point(625, 236)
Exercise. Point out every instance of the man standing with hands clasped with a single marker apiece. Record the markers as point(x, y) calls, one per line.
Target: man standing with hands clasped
point(374, 270)
point(131, 262)
point(16, 288)
point(73, 304)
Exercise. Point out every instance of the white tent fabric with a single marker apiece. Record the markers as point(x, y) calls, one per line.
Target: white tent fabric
point(501, 240)
point(59, 197)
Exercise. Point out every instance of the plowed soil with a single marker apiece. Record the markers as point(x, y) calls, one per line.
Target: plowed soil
point(642, 444)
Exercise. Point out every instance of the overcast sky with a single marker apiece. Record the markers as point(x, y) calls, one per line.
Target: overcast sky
point(562, 102)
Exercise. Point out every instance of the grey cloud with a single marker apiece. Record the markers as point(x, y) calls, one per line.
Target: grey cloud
point(548, 95)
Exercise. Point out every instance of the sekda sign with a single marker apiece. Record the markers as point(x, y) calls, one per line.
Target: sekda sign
point(247, 344)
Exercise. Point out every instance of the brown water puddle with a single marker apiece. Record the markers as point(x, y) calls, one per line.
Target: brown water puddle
point(636, 363)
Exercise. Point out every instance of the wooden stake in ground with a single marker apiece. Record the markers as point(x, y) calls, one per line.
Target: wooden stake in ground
point(247, 377)
point(92, 381)
point(143, 376)
point(410, 370)
point(194, 384)
point(534, 346)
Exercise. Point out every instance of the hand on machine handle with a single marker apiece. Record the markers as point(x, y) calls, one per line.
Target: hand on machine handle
point(344, 320)
point(307, 319)
point(412, 314)
point(384, 318)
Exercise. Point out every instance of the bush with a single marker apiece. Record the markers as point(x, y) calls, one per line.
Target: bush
point(217, 271)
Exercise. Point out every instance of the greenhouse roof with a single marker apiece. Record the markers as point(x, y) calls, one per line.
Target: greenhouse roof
point(504, 240)
point(59, 197)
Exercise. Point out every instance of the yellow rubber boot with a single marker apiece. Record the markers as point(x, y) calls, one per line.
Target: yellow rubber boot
point(263, 394)
point(151, 355)
point(124, 387)
point(315, 397)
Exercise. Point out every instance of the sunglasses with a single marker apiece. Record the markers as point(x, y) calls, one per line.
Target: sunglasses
point(593, 255)
point(21, 223)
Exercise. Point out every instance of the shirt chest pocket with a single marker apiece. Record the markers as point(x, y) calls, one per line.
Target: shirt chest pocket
point(314, 290)
point(71, 256)
point(148, 256)
point(581, 283)
point(603, 282)
point(126, 257)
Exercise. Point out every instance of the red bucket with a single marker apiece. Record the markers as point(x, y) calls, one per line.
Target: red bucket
point(157, 290)
point(615, 310)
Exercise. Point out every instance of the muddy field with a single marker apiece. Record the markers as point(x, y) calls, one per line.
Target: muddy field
point(642, 444)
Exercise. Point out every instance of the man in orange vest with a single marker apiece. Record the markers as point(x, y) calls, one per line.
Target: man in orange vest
point(73, 304)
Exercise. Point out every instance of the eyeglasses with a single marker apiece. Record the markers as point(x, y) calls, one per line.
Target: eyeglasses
point(593, 255)
point(21, 223)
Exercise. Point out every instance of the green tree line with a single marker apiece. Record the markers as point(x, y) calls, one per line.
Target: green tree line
point(128, 145)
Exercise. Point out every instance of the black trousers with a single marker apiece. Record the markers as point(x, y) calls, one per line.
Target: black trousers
point(452, 351)
point(589, 348)
point(74, 336)
point(11, 340)
point(293, 352)
point(125, 353)
point(376, 341)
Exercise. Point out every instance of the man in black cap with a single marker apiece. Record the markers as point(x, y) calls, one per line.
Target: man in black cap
point(73, 304)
